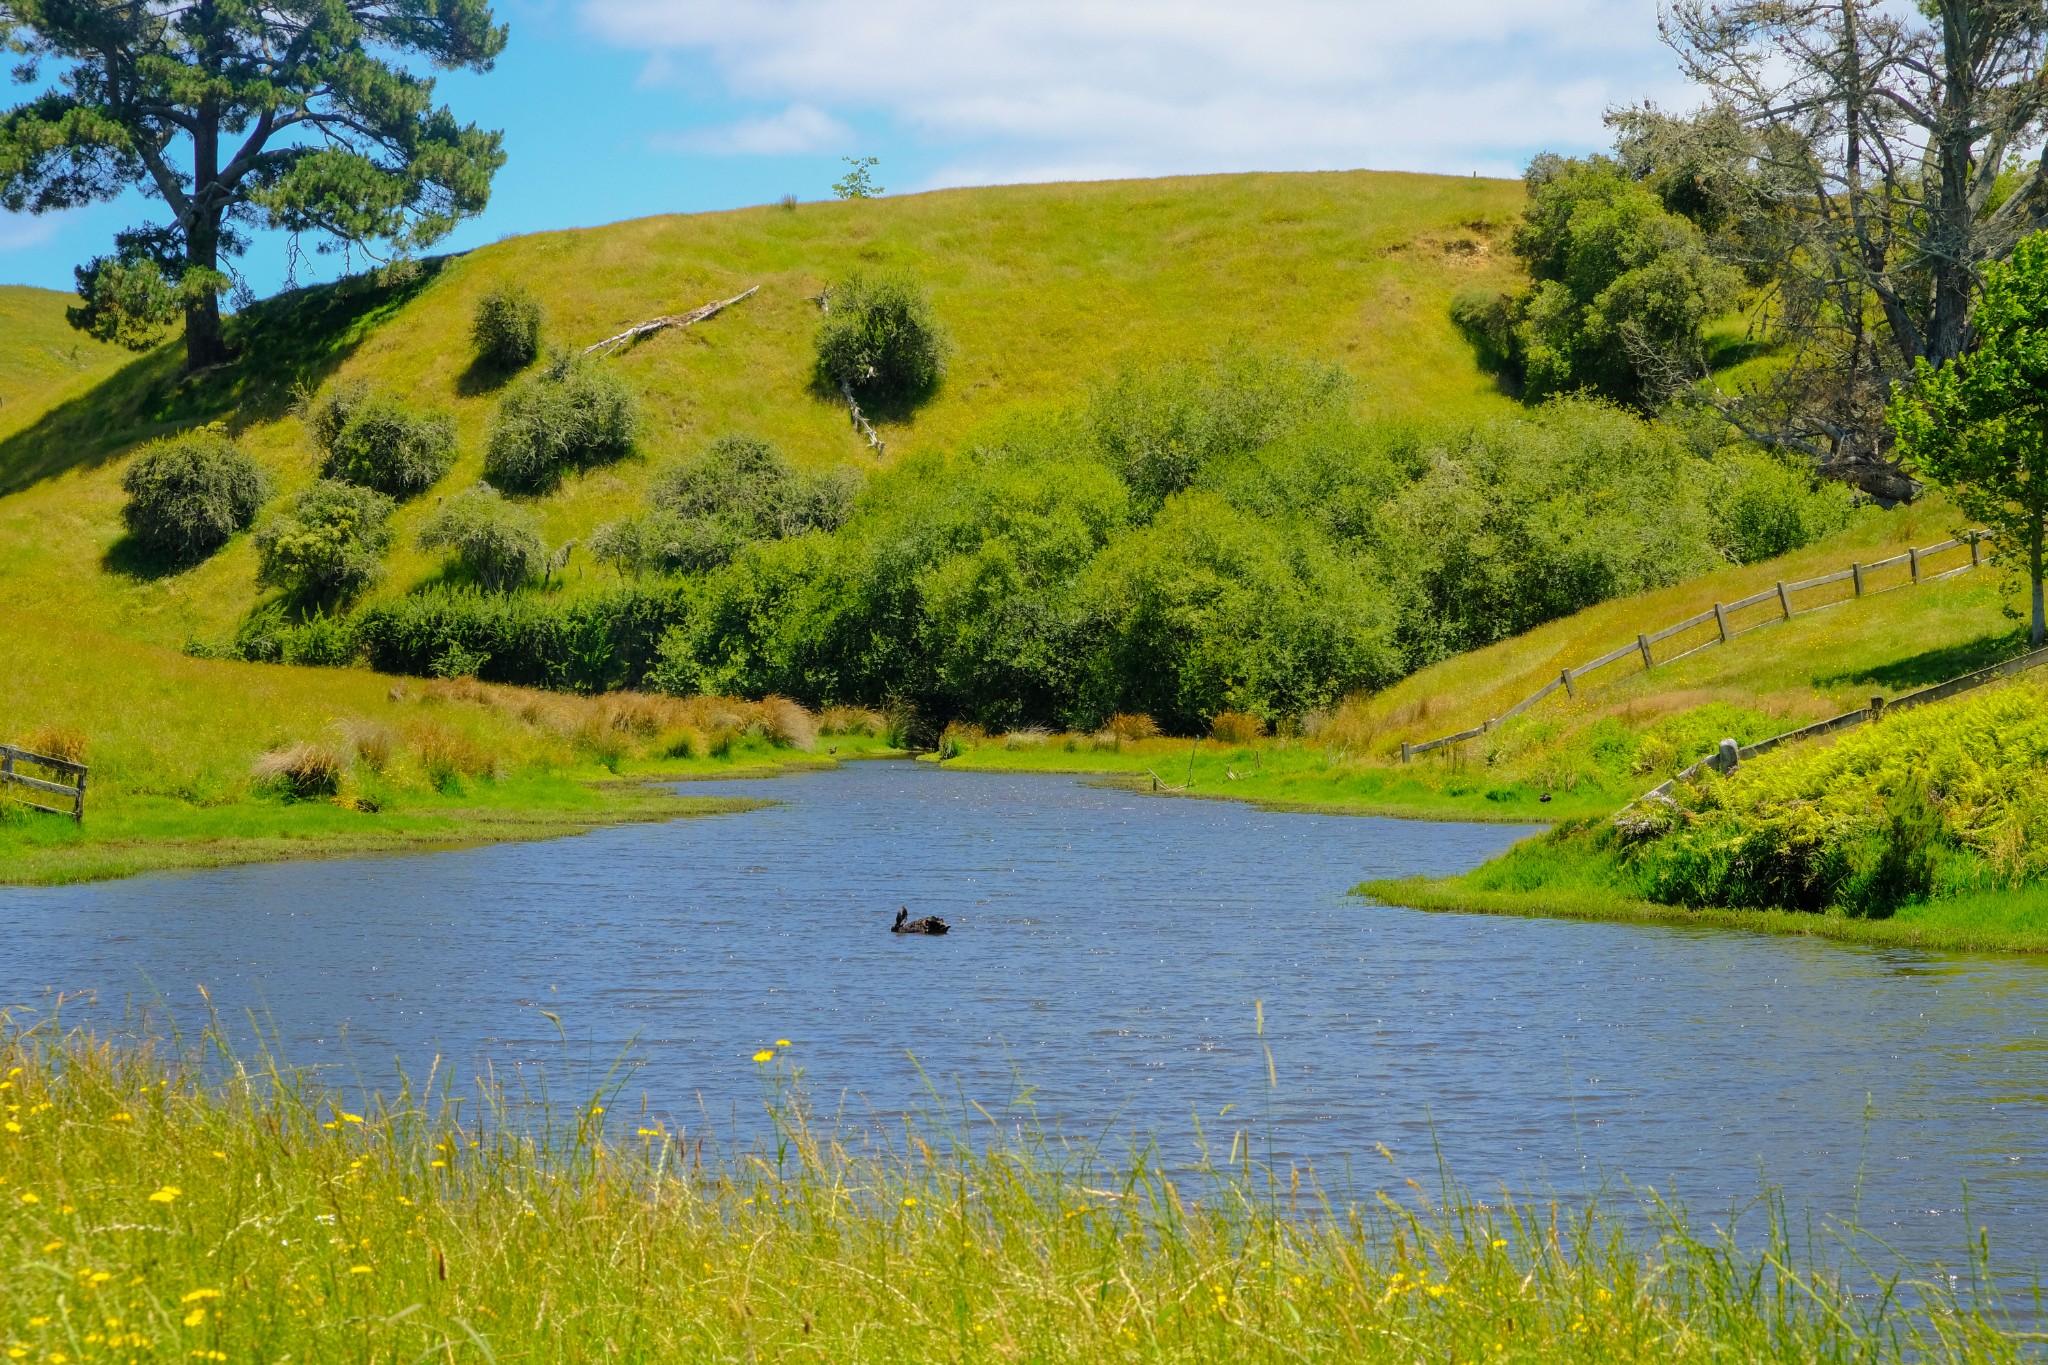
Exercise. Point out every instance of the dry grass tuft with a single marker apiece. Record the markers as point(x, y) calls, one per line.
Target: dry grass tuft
point(303, 772)
point(56, 741)
point(1133, 727)
point(851, 720)
point(447, 756)
point(1236, 727)
point(373, 743)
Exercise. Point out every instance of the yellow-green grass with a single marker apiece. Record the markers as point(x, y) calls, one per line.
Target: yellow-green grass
point(1045, 289)
point(172, 743)
point(1784, 673)
point(43, 360)
point(148, 1214)
point(1572, 888)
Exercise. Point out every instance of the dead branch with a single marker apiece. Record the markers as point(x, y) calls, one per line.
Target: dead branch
point(653, 325)
point(859, 420)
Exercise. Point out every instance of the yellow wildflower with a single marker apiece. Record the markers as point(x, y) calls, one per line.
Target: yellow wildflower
point(765, 1055)
point(28, 1197)
point(49, 1247)
point(11, 1126)
point(911, 1202)
point(165, 1195)
point(195, 1317)
point(782, 1042)
point(359, 1270)
point(198, 1295)
point(123, 1117)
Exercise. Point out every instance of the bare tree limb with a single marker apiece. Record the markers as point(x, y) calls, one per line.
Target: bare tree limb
point(653, 325)
point(859, 421)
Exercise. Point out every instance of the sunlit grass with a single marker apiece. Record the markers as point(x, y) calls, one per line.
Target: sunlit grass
point(149, 1214)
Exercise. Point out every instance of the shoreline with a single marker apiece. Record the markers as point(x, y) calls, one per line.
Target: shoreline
point(1925, 931)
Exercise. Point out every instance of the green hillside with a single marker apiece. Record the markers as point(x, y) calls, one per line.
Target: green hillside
point(43, 361)
point(1045, 290)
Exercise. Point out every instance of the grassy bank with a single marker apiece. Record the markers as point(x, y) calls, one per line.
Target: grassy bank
point(145, 1215)
point(1925, 829)
point(201, 762)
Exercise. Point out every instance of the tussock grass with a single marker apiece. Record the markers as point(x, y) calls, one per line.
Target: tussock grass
point(150, 1213)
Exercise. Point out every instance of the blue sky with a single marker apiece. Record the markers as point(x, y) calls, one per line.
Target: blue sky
point(619, 108)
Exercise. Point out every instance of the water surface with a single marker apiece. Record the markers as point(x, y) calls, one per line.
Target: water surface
point(1108, 950)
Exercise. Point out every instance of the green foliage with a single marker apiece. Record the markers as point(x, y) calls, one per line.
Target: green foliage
point(574, 414)
point(880, 339)
point(506, 329)
point(376, 442)
point(1770, 505)
point(129, 299)
point(592, 643)
point(1935, 801)
point(495, 543)
point(1978, 426)
point(332, 133)
point(705, 510)
point(327, 547)
point(189, 494)
point(1624, 290)
point(859, 180)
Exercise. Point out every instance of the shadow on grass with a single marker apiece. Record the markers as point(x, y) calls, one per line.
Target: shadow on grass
point(294, 339)
point(130, 558)
point(1936, 665)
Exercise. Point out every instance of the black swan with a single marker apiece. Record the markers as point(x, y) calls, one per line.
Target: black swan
point(930, 924)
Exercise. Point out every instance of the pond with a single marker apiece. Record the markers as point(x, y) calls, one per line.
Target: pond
point(1108, 953)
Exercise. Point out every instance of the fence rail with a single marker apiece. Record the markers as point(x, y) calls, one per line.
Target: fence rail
point(1781, 593)
point(73, 791)
point(1731, 753)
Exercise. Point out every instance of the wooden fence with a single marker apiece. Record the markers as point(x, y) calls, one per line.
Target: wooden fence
point(73, 792)
point(1731, 753)
point(1780, 596)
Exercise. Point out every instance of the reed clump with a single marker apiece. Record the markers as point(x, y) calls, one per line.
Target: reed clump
point(264, 1217)
point(303, 772)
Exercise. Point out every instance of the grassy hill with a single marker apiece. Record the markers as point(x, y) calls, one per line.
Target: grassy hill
point(43, 361)
point(1045, 289)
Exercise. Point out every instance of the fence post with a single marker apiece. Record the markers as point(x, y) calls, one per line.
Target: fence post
point(1876, 709)
point(1913, 558)
point(1785, 601)
point(1721, 621)
point(1856, 572)
point(1728, 757)
point(1643, 643)
point(1404, 751)
point(1976, 551)
point(1570, 689)
point(78, 803)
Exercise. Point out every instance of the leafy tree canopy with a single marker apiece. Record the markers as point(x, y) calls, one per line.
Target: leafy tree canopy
point(1978, 426)
point(300, 115)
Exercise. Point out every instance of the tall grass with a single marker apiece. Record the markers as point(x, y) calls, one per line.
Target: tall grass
point(148, 1212)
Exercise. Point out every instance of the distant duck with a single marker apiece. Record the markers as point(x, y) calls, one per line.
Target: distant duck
point(930, 924)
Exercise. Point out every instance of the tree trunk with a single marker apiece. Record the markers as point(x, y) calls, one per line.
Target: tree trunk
point(2037, 637)
point(205, 343)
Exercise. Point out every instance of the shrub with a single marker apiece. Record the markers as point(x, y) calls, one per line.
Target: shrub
point(704, 511)
point(506, 329)
point(1771, 506)
point(319, 641)
point(377, 442)
point(590, 643)
point(189, 494)
point(497, 544)
point(448, 756)
point(572, 415)
point(303, 772)
point(880, 339)
point(327, 547)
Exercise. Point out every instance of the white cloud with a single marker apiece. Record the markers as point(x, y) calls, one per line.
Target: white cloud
point(797, 129)
point(1026, 89)
point(19, 231)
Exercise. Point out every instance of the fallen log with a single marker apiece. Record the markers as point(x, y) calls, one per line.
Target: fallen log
point(859, 420)
point(653, 325)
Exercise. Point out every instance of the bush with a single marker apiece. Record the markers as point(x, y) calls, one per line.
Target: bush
point(572, 415)
point(497, 544)
point(705, 510)
point(1770, 506)
point(327, 547)
point(376, 442)
point(1235, 728)
point(880, 339)
point(189, 494)
point(506, 329)
point(594, 643)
